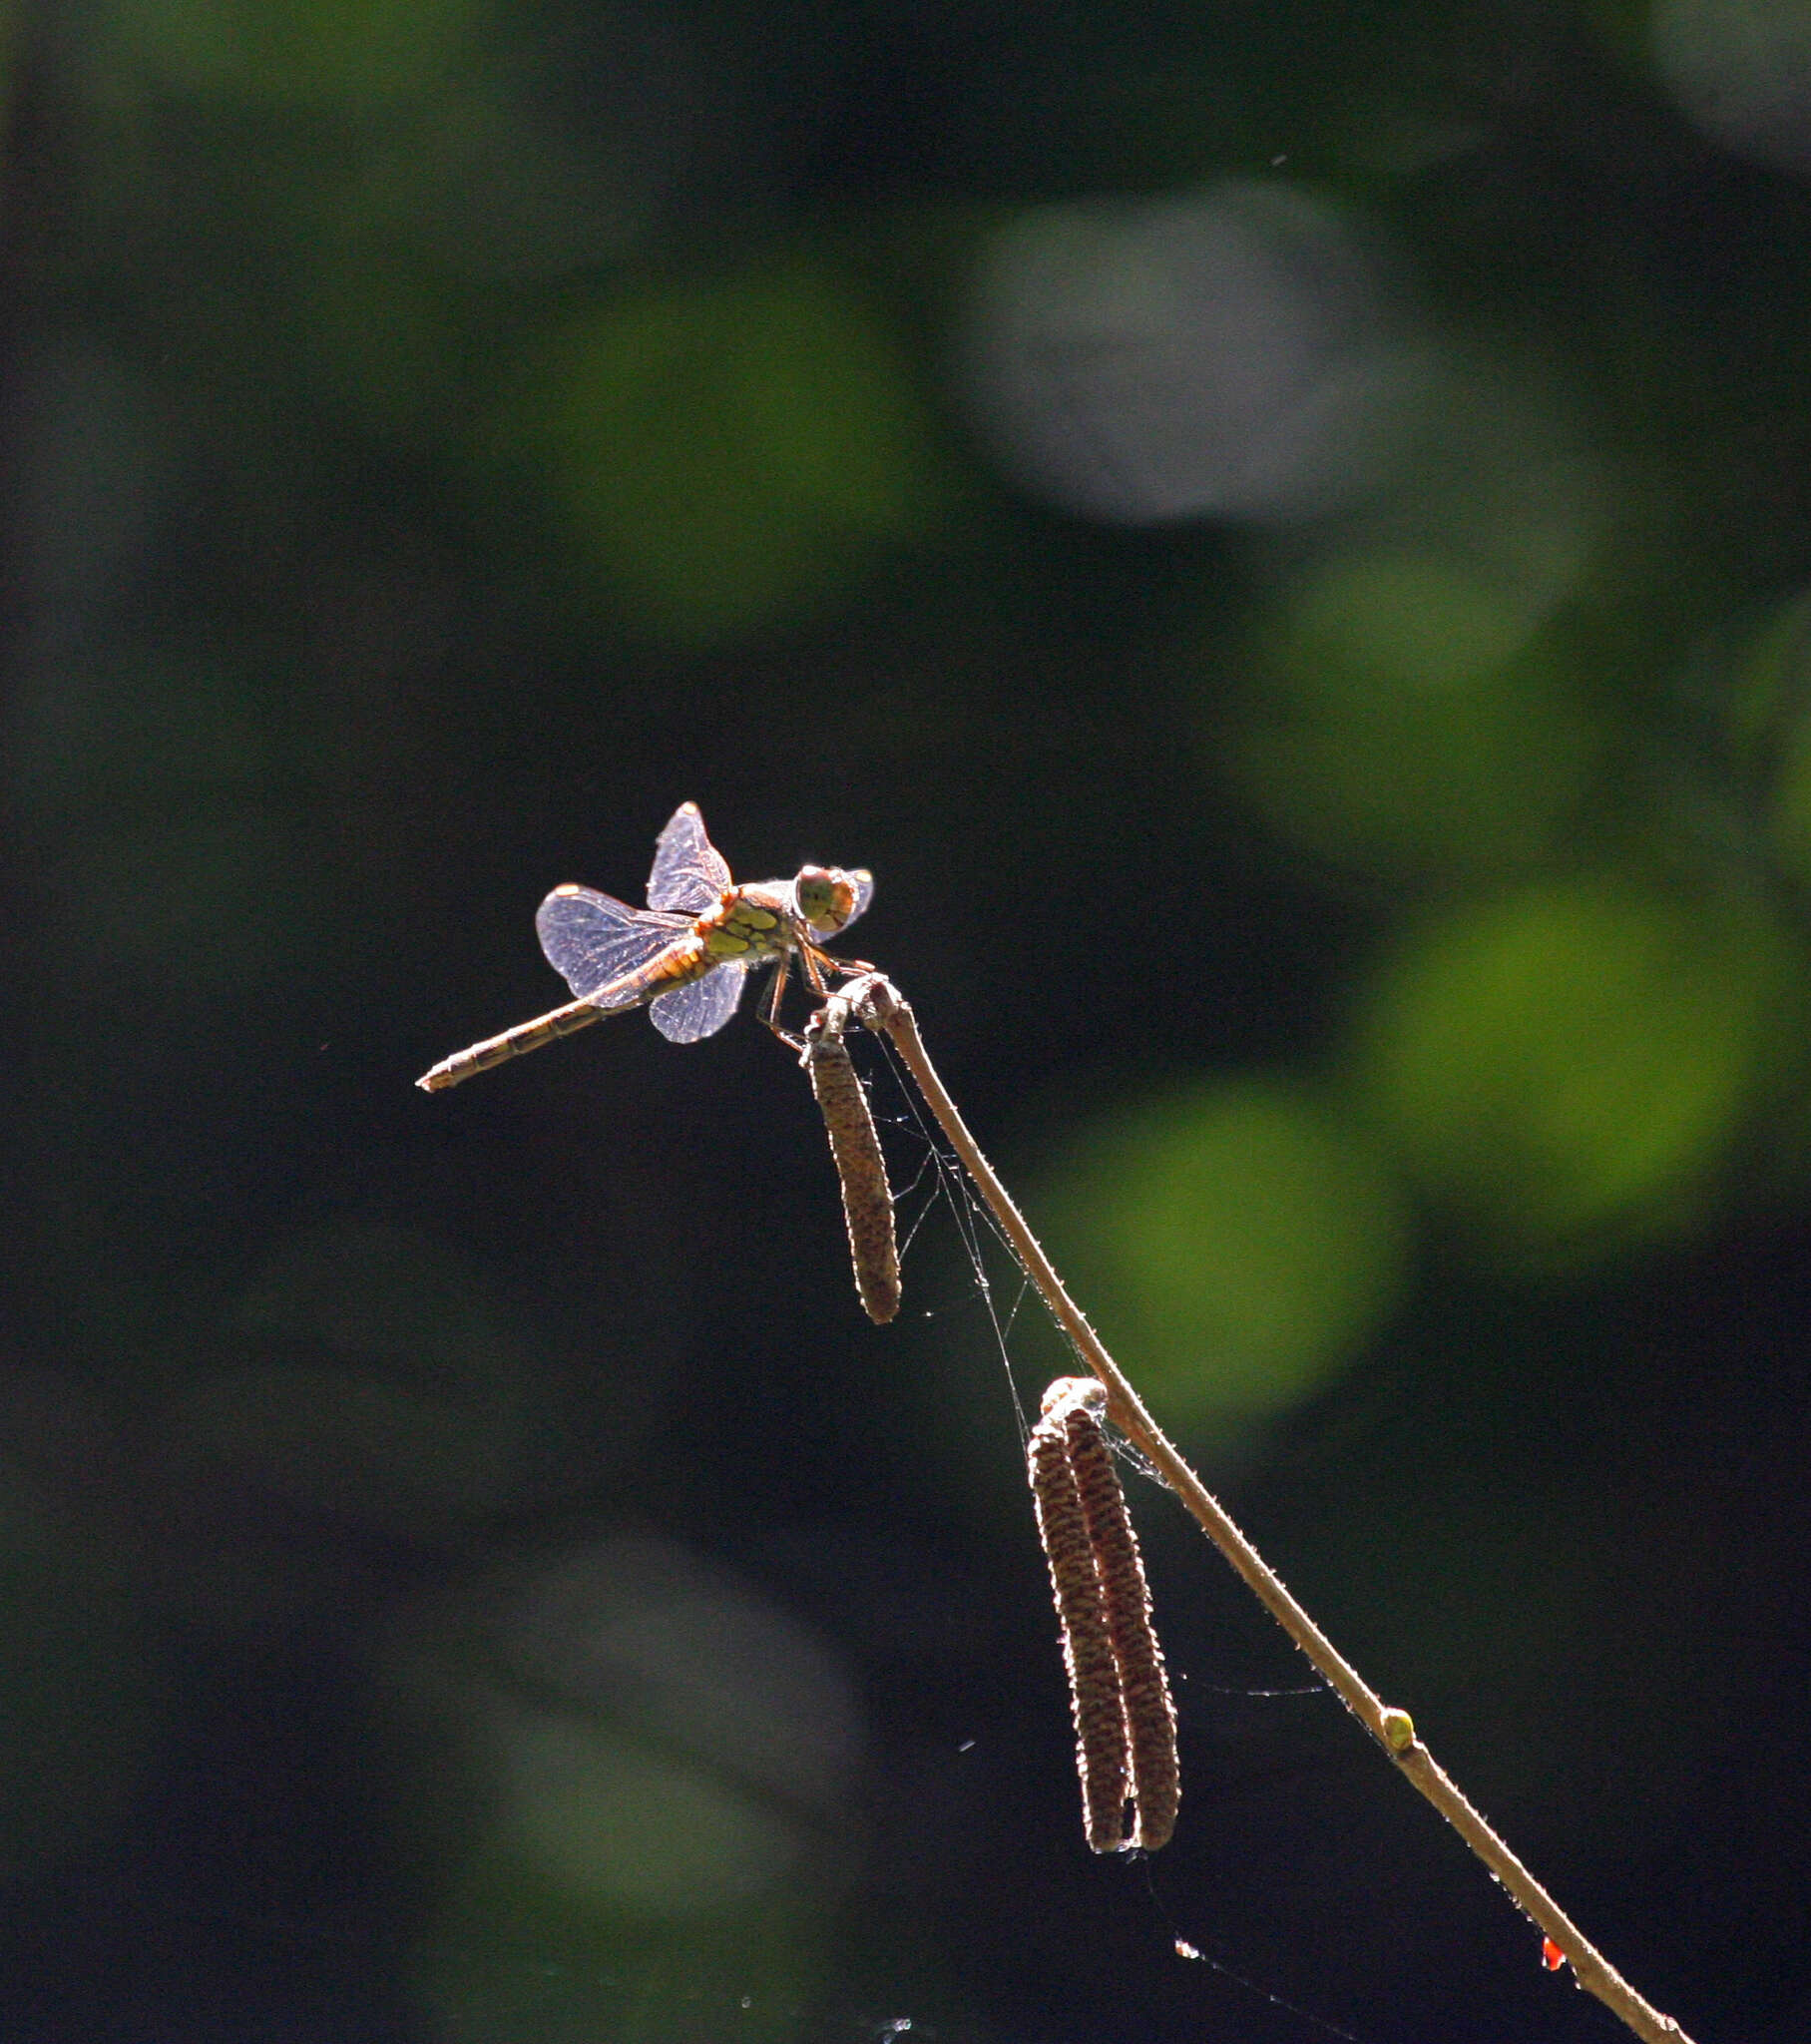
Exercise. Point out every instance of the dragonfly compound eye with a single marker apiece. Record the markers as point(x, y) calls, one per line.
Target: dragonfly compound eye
point(825, 897)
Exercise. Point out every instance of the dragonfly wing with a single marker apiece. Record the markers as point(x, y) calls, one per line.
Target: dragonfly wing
point(689, 873)
point(592, 938)
point(864, 894)
point(692, 1012)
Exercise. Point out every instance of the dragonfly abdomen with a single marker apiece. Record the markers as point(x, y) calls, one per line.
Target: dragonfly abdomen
point(685, 959)
point(494, 1050)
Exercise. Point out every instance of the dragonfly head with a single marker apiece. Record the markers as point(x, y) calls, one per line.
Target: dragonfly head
point(826, 897)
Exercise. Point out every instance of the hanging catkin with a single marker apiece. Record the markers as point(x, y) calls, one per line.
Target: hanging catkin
point(867, 1202)
point(1125, 1721)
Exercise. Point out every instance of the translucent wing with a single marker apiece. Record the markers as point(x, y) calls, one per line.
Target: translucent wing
point(864, 892)
point(592, 938)
point(700, 1009)
point(688, 871)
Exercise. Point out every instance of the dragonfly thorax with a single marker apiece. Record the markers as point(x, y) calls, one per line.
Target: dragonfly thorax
point(750, 922)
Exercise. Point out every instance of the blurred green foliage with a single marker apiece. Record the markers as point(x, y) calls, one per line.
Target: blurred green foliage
point(1768, 733)
point(658, 1754)
point(1239, 1238)
point(1568, 1065)
point(1404, 716)
point(83, 1680)
point(330, 57)
point(728, 454)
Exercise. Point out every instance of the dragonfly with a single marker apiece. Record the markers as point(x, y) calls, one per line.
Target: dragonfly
point(685, 957)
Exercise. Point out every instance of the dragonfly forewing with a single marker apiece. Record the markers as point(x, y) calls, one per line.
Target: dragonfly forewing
point(689, 873)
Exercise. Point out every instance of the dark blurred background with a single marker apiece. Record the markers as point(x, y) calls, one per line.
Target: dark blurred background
point(1282, 534)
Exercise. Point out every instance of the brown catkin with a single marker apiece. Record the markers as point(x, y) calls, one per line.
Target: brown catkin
point(867, 1200)
point(1144, 1682)
point(1094, 1677)
point(1125, 1720)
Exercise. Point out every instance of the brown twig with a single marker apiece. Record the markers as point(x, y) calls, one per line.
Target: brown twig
point(878, 1004)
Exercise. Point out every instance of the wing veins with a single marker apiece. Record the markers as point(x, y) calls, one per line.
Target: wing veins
point(591, 938)
point(689, 873)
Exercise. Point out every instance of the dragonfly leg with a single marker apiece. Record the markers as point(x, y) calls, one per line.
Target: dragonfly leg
point(770, 1007)
point(818, 963)
point(814, 965)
